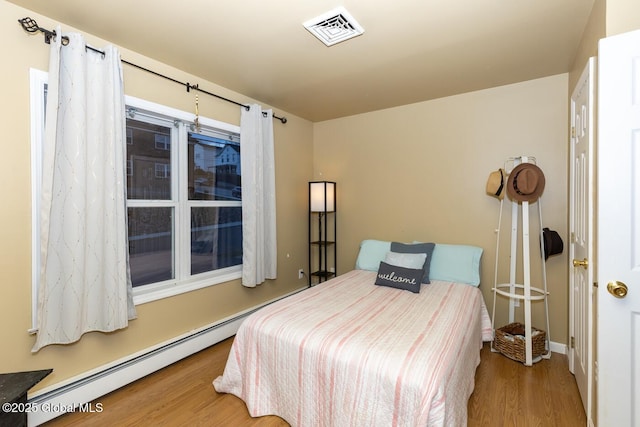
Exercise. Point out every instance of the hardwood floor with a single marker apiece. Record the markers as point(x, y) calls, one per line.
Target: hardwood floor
point(506, 394)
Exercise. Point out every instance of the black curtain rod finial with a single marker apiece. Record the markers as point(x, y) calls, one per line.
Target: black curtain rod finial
point(31, 26)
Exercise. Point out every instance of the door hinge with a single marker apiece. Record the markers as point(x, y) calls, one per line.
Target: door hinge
point(572, 237)
point(573, 342)
point(573, 131)
point(595, 284)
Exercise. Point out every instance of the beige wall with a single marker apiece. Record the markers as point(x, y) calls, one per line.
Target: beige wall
point(157, 321)
point(593, 32)
point(622, 16)
point(418, 172)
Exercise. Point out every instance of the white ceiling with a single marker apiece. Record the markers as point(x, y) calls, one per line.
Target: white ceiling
point(411, 50)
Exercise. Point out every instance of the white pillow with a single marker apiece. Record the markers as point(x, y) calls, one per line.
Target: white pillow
point(406, 260)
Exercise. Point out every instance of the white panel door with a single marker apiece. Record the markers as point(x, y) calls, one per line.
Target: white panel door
point(581, 229)
point(618, 228)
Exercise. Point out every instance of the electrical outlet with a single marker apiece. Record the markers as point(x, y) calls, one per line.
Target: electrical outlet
point(301, 274)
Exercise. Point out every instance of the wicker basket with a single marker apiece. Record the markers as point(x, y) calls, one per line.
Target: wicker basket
point(513, 346)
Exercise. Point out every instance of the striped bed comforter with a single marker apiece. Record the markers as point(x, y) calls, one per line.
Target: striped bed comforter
point(350, 353)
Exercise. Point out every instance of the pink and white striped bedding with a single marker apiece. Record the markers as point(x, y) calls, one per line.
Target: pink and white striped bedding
point(350, 353)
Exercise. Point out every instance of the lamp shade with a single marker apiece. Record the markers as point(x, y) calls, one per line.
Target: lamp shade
point(322, 196)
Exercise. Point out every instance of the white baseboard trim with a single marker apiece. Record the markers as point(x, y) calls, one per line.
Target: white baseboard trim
point(75, 394)
point(557, 347)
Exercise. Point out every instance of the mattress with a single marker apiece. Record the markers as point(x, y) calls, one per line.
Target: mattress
point(349, 353)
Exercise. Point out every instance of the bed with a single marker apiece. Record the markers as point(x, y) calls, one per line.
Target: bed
point(349, 353)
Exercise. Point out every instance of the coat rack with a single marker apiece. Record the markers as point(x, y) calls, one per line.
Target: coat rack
point(524, 186)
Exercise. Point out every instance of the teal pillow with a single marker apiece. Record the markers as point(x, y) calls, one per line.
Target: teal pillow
point(456, 263)
point(371, 253)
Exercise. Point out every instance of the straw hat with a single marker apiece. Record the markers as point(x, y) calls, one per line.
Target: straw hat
point(526, 183)
point(496, 182)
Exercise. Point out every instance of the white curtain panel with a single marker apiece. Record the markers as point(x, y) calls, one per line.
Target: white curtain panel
point(85, 283)
point(259, 248)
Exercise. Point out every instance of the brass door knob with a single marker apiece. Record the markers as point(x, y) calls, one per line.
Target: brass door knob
point(617, 289)
point(584, 263)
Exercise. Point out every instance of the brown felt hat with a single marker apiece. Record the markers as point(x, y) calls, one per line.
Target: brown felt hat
point(496, 182)
point(526, 183)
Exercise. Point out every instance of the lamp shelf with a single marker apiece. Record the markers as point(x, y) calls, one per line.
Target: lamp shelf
point(322, 231)
point(323, 274)
point(322, 243)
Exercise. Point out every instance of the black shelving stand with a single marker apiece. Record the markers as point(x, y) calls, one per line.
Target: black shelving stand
point(322, 231)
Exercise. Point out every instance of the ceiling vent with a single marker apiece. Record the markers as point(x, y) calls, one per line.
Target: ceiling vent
point(333, 27)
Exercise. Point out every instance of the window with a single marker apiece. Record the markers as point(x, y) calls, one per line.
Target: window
point(183, 201)
point(163, 142)
point(185, 228)
point(162, 170)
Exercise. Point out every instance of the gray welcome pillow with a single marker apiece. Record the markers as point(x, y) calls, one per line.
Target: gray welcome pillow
point(393, 276)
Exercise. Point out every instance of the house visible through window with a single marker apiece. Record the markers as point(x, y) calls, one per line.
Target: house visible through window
point(187, 225)
point(183, 197)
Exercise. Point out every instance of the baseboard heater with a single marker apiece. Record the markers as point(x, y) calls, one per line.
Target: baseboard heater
point(77, 393)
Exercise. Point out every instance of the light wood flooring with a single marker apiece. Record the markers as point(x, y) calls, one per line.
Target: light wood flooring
point(506, 394)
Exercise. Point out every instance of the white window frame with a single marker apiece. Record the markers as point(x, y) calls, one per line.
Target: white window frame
point(180, 122)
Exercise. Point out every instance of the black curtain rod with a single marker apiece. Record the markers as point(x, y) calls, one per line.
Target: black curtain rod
point(31, 26)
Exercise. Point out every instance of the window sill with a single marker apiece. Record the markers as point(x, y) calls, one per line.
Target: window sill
point(157, 292)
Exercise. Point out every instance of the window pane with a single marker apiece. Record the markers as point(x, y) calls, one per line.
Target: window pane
point(214, 167)
point(150, 245)
point(216, 238)
point(148, 161)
